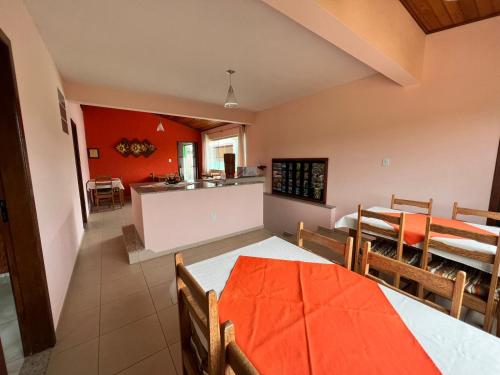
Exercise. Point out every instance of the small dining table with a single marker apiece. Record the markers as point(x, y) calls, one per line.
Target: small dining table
point(453, 346)
point(116, 183)
point(350, 222)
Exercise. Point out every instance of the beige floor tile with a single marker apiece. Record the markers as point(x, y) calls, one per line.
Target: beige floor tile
point(123, 311)
point(169, 319)
point(119, 271)
point(175, 352)
point(158, 364)
point(81, 300)
point(158, 275)
point(161, 295)
point(122, 287)
point(75, 329)
point(126, 346)
point(80, 360)
point(86, 283)
point(165, 260)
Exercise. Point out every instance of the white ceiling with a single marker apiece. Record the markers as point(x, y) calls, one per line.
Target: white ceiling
point(183, 47)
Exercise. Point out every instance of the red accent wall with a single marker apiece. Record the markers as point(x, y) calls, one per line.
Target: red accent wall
point(105, 127)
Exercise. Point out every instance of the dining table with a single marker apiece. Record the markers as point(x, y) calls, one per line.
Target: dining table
point(116, 183)
point(372, 328)
point(350, 222)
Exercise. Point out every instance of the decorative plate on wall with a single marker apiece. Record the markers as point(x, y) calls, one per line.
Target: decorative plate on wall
point(135, 147)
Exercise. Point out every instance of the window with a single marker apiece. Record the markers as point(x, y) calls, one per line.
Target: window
point(216, 150)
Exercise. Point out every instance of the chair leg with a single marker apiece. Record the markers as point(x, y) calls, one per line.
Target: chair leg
point(498, 319)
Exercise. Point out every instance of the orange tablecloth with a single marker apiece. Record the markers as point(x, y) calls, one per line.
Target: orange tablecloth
point(308, 318)
point(414, 231)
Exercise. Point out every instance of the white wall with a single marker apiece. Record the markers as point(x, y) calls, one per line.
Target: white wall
point(50, 150)
point(441, 136)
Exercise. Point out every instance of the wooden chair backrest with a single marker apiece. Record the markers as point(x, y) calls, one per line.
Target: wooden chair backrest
point(103, 178)
point(493, 259)
point(342, 248)
point(473, 212)
point(234, 361)
point(103, 187)
point(396, 235)
point(407, 202)
point(442, 286)
point(198, 314)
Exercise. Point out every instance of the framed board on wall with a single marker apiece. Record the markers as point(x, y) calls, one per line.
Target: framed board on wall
point(304, 179)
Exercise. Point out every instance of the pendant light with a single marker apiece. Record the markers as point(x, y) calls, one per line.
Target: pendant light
point(231, 101)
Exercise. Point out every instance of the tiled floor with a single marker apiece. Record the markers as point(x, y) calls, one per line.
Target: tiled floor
point(9, 328)
point(119, 318)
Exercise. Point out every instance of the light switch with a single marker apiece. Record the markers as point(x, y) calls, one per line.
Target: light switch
point(386, 162)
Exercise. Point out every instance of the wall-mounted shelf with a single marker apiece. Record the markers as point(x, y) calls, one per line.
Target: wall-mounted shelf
point(304, 179)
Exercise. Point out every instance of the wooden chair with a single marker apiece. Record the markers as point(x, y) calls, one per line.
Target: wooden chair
point(234, 361)
point(481, 292)
point(442, 286)
point(473, 212)
point(199, 324)
point(104, 190)
point(406, 202)
point(391, 248)
point(342, 248)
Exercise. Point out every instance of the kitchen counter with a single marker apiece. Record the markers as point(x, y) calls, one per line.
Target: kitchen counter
point(159, 187)
point(170, 218)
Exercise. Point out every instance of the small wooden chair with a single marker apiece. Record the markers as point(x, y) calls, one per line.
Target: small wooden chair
point(342, 248)
point(104, 190)
point(234, 361)
point(481, 289)
point(473, 212)
point(198, 315)
point(442, 286)
point(393, 248)
point(407, 202)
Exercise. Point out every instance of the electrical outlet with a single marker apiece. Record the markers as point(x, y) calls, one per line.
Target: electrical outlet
point(386, 162)
point(213, 216)
point(170, 160)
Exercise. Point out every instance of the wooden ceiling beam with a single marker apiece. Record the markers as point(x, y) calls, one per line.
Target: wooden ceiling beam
point(437, 15)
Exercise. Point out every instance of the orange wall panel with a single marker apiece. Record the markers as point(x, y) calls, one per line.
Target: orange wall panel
point(105, 127)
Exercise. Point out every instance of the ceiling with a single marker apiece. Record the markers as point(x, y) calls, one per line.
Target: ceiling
point(183, 47)
point(195, 123)
point(436, 15)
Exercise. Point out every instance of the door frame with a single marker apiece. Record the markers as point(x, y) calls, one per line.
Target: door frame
point(20, 230)
point(495, 191)
point(196, 157)
point(78, 164)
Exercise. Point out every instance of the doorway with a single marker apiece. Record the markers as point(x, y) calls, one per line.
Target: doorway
point(10, 335)
point(18, 220)
point(78, 164)
point(187, 159)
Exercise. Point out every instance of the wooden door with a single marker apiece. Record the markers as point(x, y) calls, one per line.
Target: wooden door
point(495, 191)
point(18, 219)
point(78, 165)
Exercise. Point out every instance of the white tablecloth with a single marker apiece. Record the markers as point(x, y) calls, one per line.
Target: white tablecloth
point(116, 182)
point(454, 346)
point(351, 220)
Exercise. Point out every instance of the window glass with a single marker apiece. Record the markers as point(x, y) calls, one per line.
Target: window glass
point(216, 150)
